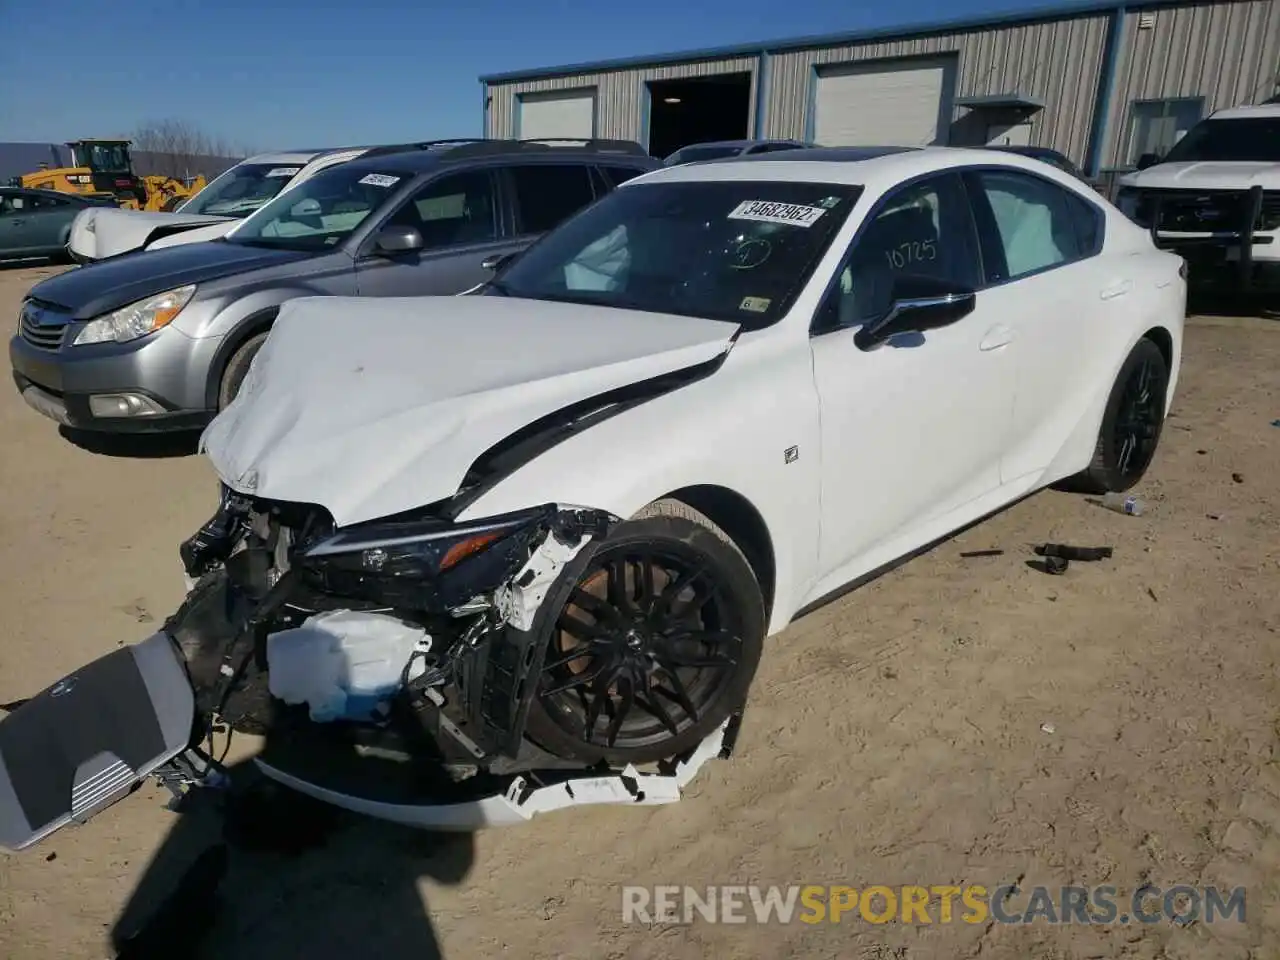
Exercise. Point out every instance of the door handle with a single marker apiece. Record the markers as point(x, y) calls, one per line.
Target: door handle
point(997, 337)
point(18, 223)
point(1116, 290)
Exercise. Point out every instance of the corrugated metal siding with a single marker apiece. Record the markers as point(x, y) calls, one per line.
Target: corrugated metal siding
point(1058, 62)
point(620, 96)
point(1227, 53)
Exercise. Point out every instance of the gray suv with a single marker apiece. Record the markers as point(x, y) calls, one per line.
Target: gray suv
point(160, 340)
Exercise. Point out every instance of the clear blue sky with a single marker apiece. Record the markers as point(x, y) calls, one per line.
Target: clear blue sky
point(280, 73)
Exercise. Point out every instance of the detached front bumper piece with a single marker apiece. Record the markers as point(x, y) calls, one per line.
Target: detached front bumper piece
point(88, 740)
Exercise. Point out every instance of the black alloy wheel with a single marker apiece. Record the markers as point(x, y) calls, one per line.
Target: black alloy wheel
point(1132, 423)
point(654, 646)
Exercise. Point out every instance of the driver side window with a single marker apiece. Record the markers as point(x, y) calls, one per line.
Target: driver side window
point(925, 229)
point(454, 210)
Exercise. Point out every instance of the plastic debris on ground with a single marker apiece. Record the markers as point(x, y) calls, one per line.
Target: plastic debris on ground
point(344, 664)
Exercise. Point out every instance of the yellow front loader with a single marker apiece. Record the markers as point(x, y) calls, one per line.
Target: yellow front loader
point(105, 168)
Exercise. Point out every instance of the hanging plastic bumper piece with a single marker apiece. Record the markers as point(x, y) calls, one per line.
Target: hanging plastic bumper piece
point(88, 740)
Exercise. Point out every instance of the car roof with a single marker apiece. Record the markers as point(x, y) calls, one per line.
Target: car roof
point(873, 167)
point(1256, 110)
point(433, 153)
point(284, 156)
point(735, 143)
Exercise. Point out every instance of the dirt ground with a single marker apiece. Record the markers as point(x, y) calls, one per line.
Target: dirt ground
point(958, 721)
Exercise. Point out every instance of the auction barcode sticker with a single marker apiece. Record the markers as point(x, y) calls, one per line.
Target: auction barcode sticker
point(379, 180)
point(766, 211)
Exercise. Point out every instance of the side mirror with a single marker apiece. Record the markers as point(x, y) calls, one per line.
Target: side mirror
point(1148, 160)
point(399, 240)
point(497, 261)
point(919, 304)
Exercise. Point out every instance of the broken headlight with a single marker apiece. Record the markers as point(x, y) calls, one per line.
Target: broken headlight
point(420, 549)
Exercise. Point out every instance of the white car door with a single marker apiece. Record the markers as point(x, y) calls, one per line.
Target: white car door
point(911, 430)
point(1041, 246)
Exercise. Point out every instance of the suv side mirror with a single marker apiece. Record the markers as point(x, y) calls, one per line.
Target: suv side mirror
point(919, 304)
point(1148, 160)
point(399, 240)
point(497, 261)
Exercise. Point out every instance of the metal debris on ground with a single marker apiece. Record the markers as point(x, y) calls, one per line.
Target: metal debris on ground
point(982, 553)
point(1047, 727)
point(1055, 565)
point(1067, 552)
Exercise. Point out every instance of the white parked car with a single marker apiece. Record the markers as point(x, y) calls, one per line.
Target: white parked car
point(211, 213)
point(1214, 198)
point(550, 525)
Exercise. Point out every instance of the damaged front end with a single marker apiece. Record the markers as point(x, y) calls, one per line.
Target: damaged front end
point(449, 729)
point(469, 593)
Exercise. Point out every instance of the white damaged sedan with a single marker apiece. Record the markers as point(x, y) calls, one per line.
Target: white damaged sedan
point(548, 526)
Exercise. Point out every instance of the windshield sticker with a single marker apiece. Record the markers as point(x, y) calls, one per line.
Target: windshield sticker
point(755, 304)
point(765, 211)
point(379, 180)
point(282, 171)
point(828, 202)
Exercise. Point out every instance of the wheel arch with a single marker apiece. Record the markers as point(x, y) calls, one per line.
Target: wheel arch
point(738, 517)
point(255, 323)
point(1163, 339)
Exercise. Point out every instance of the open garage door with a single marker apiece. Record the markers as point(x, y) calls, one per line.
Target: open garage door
point(906, 104)
point(548, 116)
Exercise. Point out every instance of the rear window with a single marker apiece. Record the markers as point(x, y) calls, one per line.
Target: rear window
point(548, 193)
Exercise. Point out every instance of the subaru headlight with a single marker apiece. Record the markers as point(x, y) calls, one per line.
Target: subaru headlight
point(137, 319)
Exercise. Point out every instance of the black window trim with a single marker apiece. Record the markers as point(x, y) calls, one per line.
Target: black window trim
point(979, 211)
point(367, 243)
point(817, 325)
point(989, 234)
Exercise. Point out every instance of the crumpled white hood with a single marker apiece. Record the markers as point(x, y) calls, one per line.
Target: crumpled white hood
point(1205, 175)
point(117, 231)
point(370, 407)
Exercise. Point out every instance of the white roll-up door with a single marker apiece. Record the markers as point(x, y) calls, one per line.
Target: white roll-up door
point(897, 104)
point(549, 116)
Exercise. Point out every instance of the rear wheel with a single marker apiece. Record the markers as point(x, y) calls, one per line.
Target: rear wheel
point(655, 644)
point(236, 369)
point(1132, 422)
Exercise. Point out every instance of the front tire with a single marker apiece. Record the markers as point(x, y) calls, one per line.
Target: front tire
point(1131, 423)
point(236, 369)
point(655, 643)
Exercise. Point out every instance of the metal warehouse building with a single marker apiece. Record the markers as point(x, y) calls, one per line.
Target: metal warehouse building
point(1100, 82)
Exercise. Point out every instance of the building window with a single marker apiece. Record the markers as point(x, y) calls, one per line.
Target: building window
point(1156, 125)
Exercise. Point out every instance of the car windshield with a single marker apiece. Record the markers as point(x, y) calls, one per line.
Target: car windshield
point(242, 189)
point(321, 212)
point(728, 250)
point(1255, 139)
point(695, 153)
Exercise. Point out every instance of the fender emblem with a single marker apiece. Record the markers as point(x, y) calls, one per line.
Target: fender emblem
point(791, 455)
